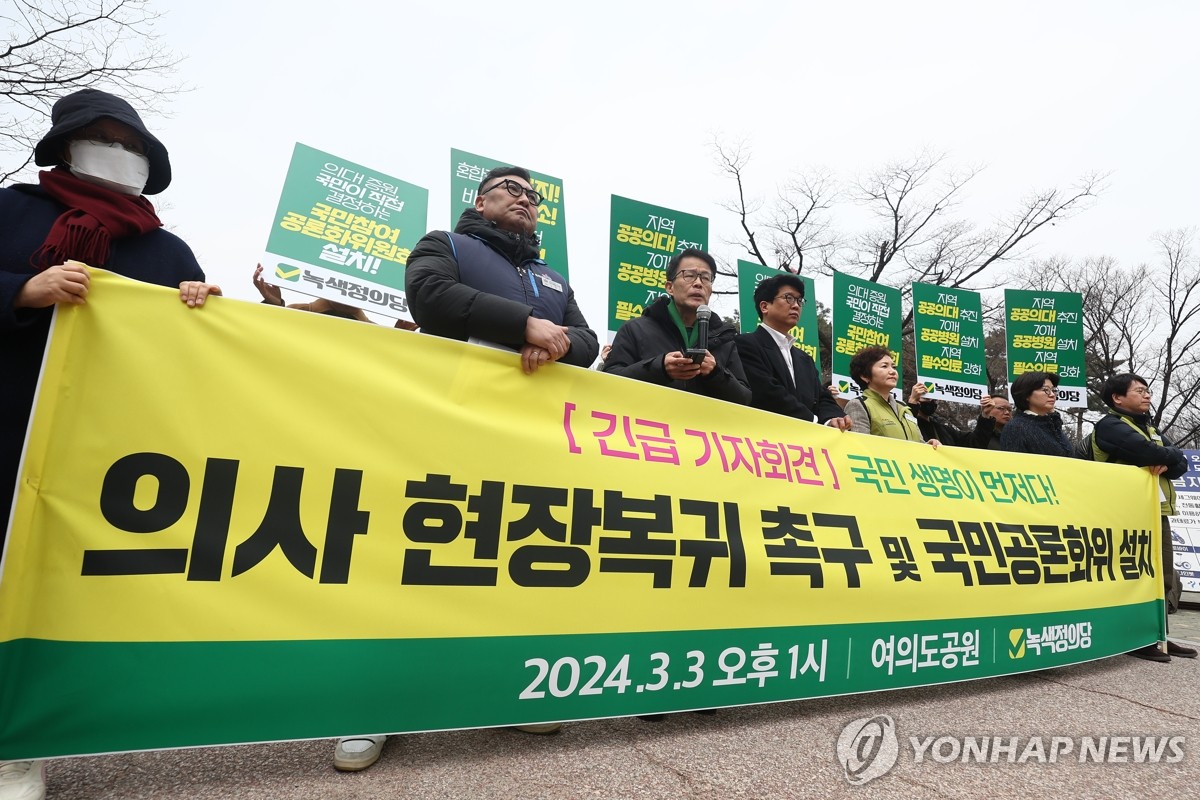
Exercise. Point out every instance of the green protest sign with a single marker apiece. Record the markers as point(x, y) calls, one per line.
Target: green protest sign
point(865, 313)
point(641, 241)
point(1044, 331)
point(468, 169)
point(948, 337)
point(344, 232)
point(805, 332)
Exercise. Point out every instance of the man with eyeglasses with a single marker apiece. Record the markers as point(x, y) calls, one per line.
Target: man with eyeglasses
point(995, 411)
point(487, 282)
point(662, 346)
point(1126, 436)
point(783, 378)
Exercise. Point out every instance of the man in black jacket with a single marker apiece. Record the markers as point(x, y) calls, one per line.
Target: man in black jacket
point(653, 347)
point(1125, 436)
point(487, 282)
point(995, 411)
point(784, 378)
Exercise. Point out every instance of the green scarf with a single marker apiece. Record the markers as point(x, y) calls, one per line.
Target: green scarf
point(689, 334)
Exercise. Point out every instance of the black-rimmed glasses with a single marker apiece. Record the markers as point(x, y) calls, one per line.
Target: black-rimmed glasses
point(516, 190)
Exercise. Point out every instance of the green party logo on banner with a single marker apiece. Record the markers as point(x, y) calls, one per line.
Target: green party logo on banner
point(344, 232)
point(468, 169)
point(1044, 331)
point(641, 241)
point(948, 336)
point(805, 332)
point(865, 314)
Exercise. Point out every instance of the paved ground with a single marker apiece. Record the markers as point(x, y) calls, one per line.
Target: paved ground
point(784, 750)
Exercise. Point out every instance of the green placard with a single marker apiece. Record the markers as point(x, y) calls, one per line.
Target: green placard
point(344, 232)
point(948, 337)
point(468, 169)
point(1044, 331)
point(641, 241)
point(749, 276)
point(864, 314)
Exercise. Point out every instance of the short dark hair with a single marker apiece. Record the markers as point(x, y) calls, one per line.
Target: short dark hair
point(1027, 383)
point(769, 287)
point(1120, 384)
point(864, 361)
point(691, 252)
point(504, 172)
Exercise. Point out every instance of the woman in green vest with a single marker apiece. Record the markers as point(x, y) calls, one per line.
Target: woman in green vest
point(876, 410)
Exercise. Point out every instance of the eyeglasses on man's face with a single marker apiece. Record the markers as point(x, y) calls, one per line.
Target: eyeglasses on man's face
point(790, 299)
point(516, 190)
point(1141, 390)
point(1002, 409)
point(691, 276)
point(133, 144)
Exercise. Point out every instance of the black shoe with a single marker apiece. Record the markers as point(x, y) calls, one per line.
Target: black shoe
point(1179, 650)
point(652, 717)
point(1151, 653)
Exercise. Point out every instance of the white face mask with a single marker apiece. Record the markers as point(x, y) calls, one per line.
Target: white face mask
point(110, 166)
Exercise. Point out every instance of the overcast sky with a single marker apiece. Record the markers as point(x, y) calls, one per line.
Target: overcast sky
point(624, 98)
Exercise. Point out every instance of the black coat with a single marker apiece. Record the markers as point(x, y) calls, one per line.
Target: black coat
point(771, 381)
point(1124, 445)
point(1036, 434)
point(640, 344)
point(26, 216)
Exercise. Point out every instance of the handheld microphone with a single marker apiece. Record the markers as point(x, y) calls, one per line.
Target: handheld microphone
point(697, 353)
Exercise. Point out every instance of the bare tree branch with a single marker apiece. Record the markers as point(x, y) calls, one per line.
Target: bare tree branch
point(53, 47)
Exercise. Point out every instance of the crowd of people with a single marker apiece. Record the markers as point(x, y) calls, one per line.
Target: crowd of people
point(485, 282)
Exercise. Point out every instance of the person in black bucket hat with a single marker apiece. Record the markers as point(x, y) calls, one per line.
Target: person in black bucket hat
point(77, 111)
point(87, 211)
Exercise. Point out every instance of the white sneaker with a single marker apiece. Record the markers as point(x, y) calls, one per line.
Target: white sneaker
point(22, 780)
point(352, 753)
point(540, 728)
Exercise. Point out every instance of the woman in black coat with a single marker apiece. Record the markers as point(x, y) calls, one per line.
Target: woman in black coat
point(1036, 428)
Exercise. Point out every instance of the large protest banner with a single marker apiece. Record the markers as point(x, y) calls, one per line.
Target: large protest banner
point(641, 242)
point(805, 332)
point(468, 169)
point(216, 522)
point(948, 343)
point(1044, 331)
point(865, 314)
point(344, 232)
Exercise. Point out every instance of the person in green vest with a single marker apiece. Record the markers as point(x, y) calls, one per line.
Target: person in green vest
point(1125, 436)
point(877, 411)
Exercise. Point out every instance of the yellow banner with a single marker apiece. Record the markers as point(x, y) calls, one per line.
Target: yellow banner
point(246, 473)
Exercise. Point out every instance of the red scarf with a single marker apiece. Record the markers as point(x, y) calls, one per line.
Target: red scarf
point(95, 216)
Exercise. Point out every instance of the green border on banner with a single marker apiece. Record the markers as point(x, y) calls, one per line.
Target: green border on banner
point(410, 685)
